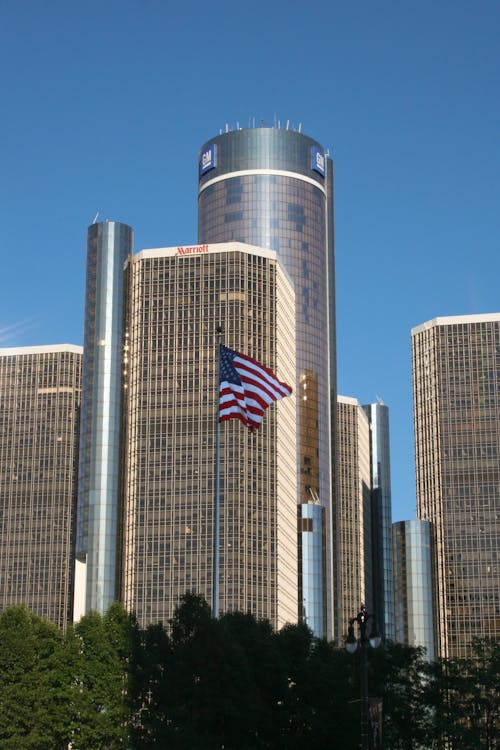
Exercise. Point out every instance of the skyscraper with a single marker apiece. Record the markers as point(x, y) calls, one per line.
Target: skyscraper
point(109, 243)
point(383, 591)
point(413, 598)
point(456, 395)
point(354, 514)
point(175, 299)
point(40, 391)
point(311, 561)
point(273, 188)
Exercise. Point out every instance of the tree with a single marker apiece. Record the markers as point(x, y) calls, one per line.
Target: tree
point(264, 676)
point(400, 676)
point(465, 698)
point(102, 685)
point(234, 683)
point(148, 678)
point(318, 705)
point(483, 670)
point(36, 673)
point(208, 687)
point(231, 682)
point(54, 685)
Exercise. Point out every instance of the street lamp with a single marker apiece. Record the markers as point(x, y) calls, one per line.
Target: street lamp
point(351, 644)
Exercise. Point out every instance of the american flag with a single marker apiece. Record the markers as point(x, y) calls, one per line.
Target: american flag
point(246, 388)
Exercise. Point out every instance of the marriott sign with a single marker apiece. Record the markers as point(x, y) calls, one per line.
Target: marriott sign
point(193, 250)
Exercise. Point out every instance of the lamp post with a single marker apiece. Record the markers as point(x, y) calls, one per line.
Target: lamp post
point(351, 645)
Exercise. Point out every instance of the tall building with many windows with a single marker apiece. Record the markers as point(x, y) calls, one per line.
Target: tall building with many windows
point(383, 590)
point(273, 187)
point(456, 394)
point(175, 299)
point(354, 514)
point(40, 391)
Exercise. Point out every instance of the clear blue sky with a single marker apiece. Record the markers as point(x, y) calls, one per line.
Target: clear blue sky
point(105, 104)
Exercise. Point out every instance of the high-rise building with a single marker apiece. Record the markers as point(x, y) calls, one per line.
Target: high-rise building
point(413, 597)
point(273, 188)
point(40, 395)
point(175, 299)
point(354, 514)
point(383, 591)
point(456, 394)
point(109, 244)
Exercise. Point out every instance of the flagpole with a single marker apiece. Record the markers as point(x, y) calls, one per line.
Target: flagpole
point(215, 573)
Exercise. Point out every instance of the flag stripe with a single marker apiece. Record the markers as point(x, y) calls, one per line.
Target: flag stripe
point(265, 396)
point(263, 374)
point(246, 388)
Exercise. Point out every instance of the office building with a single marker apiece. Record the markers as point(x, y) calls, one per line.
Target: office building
point(40, 391)
point(273, 187)
point(175, 299)
point(413, 596)
point(383, 591)
point(456, 394)
point(354, 514)
point(109, 243)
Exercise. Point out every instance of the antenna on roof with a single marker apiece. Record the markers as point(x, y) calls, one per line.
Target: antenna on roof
point(287, 124)
point(96, 217)
point(300, 127)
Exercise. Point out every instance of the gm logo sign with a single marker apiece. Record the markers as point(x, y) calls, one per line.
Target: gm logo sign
point(208, 159)
point(318, 160)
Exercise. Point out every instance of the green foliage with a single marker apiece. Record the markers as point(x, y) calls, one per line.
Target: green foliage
point(233, 682)
point(236, 684)
point(34, 683)
point(102, 685)
point(263, 673)
point(465, 697)
point(148, 702)
point(317, 708)
point(400, 677)
point(209, 690)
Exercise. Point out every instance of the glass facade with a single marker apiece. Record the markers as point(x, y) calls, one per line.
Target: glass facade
point(40, 391)
point(312, 573)
point(456, 396)
point(354, 514)
point(175, 299)
point(274, 188)
point(109, 244)
point(414, 623)
point(383, 591)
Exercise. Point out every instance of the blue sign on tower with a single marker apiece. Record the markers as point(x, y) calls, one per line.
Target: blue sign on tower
point(318, 160)
point(208, 159)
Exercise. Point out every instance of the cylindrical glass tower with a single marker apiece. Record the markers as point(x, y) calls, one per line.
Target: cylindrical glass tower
point(383, 591)
point(108, 245)
point(414, 607)
point(311, 536)
point(273, 188)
